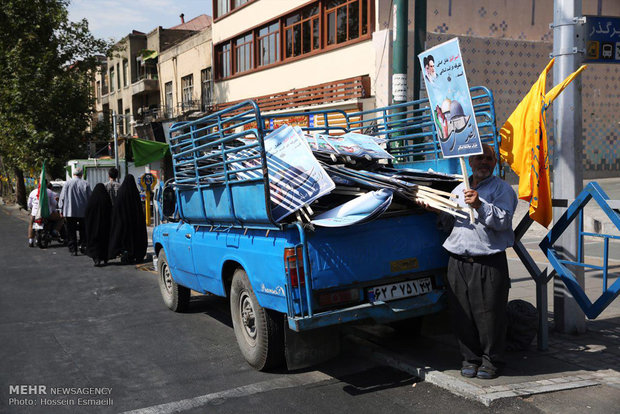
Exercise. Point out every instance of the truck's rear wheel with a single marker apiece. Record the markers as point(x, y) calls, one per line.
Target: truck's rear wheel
point(176, 297)
point(259, 331)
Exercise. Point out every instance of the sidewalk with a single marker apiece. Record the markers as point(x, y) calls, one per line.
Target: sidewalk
point(570, 362)
point(15, 211)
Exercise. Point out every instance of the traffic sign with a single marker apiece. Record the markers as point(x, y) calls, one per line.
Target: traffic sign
point(602, 36)
point(147, 181)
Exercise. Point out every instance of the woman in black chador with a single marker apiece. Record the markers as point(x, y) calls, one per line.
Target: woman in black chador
point(98, 218)
point(128, 234)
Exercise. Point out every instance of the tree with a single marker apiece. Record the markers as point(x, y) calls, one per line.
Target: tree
point(46, 69)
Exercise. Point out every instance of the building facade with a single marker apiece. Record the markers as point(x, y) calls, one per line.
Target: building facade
point(186, 77)
point(128, 82)
point(295, 54)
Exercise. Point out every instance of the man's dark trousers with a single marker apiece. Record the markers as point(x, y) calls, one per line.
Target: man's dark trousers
point(477, 295)
point(75, 224)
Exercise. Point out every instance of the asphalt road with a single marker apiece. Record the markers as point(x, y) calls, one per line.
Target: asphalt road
point(105, 336)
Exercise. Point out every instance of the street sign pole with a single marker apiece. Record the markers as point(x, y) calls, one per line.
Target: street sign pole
point(419, 44)
point(567, 165)
point(399, 62)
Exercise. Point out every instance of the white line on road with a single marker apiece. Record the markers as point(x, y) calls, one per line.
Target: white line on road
point(288, 381)
point(516, 259)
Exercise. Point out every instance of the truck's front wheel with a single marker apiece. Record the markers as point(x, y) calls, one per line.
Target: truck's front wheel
point(258, 330)
point(176, 297)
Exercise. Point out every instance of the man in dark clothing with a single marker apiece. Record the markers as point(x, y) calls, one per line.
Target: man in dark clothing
point(72, 201)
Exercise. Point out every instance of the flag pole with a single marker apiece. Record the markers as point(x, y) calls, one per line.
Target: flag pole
point(467, 187)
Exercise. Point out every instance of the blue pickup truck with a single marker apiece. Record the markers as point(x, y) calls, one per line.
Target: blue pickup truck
point(287, 280)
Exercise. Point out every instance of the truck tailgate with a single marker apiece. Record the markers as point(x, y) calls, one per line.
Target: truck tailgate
point(381, 249)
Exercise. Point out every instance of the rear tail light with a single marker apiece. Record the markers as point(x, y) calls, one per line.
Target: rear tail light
point(338, 297)
point(39, 221)
point(294, 263)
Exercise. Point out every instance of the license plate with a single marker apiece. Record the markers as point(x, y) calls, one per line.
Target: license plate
point(400, 290)
point(37, 226)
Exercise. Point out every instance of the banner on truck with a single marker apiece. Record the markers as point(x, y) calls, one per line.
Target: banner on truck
point(450, 100)
point(296, 178)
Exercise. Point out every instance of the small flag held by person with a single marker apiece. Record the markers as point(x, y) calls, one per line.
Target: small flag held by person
point(44, 208)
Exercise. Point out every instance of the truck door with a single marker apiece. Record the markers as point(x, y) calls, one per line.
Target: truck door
point(180, 252)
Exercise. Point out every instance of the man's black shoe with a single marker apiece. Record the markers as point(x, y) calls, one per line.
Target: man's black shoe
point(486, 373)
point(469, 371)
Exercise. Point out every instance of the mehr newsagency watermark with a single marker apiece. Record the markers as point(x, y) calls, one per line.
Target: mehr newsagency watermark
point(46, 396)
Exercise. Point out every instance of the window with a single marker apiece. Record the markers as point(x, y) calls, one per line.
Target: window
point(206, 82)
point(135, 73)
point(223, 60)
point(98, 91)
point(222, 7)
point(104, 82)
point(346, 20)
point(301, 31)
point(125, 72)
point(112, 80)
point(187, 91)
point(168, 99)
point(268, 41)
point(119, 120)
point(118, 77)
point(321, 25)
point(243, 53)
point(226, 6)
point(127, 121)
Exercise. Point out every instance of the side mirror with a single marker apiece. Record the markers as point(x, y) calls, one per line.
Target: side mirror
point(169, 201)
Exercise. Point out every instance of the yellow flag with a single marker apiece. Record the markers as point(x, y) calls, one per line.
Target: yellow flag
point(524, 145)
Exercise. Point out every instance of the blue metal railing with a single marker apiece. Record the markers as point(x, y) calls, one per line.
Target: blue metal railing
point(560, 263)
point(408, 129)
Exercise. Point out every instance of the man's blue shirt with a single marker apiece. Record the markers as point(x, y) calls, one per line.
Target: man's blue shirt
point(492, 231)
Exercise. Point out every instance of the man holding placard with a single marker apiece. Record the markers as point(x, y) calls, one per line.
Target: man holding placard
point(477, 276)
point(478, 280)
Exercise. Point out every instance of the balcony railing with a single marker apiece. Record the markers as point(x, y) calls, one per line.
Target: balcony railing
point(180, 110)
point(335, 91)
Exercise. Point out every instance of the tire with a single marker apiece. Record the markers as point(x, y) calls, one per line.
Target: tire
point(175, 296)
point(42, 241)
point(259, 331)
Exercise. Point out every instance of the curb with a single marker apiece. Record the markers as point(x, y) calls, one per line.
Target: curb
point(484, 395)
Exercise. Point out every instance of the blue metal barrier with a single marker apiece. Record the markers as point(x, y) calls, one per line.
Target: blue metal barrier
point(575, 211)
